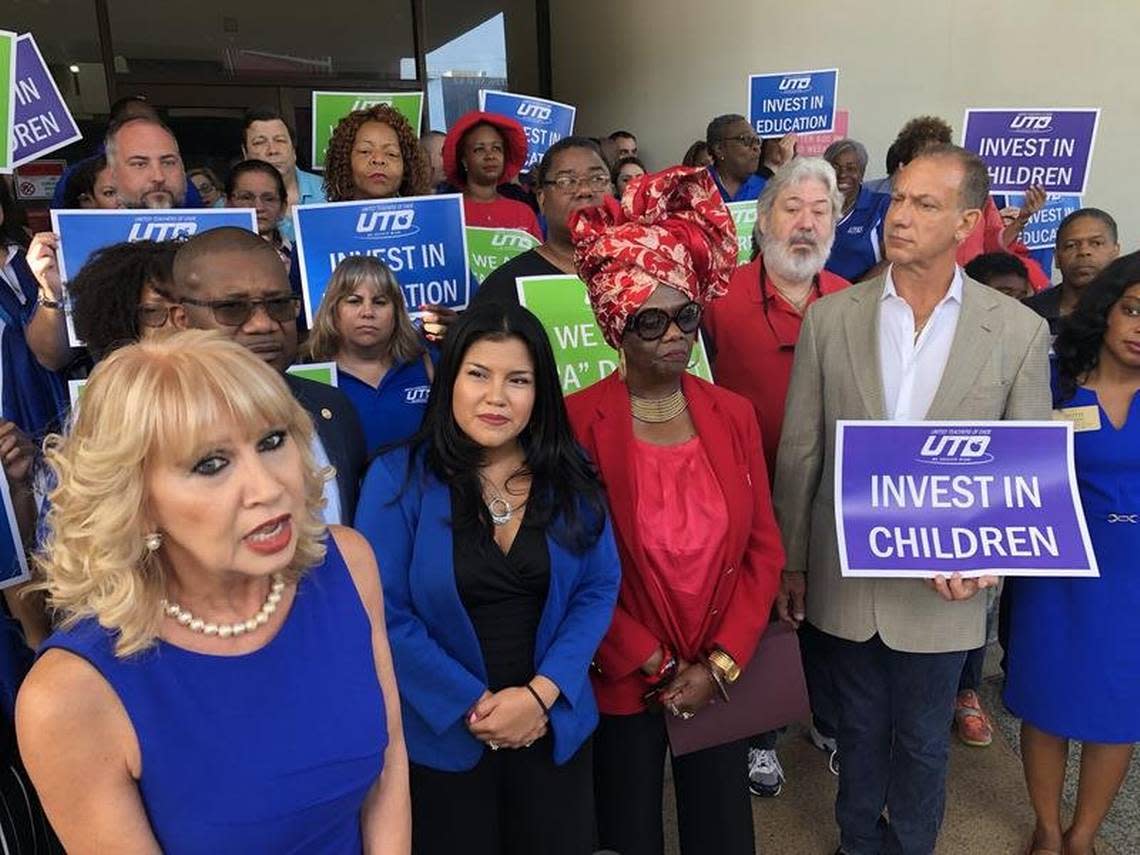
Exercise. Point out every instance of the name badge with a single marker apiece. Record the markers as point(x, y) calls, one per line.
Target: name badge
point(1083, 418)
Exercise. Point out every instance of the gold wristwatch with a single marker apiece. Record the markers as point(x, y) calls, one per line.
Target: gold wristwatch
point(725, 664)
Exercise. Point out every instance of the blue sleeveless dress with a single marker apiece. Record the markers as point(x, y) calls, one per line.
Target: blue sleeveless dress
point(1073, 664)
point(272, 751)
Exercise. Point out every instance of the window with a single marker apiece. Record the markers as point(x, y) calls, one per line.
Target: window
point(345, 40)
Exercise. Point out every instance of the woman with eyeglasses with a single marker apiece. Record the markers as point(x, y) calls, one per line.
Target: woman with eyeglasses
point(688, 491)
point(735, 150)
point(257, 184)
point(571, 175)
point(122, 295)
point(480, 152)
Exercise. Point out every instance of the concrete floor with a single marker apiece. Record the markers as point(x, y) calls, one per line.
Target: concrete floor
point(987, 809)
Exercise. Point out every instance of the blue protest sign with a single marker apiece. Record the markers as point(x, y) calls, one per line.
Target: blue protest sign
point(13, 560)
point(545, 122)
point(83, 232)
point(42, 121)
point(1050, 147)
point(421, 239)
point(1040, 232)
point(801, 102)
point(915, 499)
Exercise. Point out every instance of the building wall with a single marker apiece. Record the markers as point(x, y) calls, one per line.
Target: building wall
point(663, 68)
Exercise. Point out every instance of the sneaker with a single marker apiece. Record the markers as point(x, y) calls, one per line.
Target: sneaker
point(828, 745)
point(765, 774)
point(970, 721)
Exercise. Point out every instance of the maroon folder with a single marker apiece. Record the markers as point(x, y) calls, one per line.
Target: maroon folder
point(770, 693)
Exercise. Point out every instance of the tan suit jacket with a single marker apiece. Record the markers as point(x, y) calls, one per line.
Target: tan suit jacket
point(998, 368)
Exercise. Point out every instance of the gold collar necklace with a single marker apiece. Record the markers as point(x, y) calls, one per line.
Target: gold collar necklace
point(657, 410)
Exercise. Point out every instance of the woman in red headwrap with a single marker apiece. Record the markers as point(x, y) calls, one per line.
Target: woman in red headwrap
point(482, 151)
point(683, 467)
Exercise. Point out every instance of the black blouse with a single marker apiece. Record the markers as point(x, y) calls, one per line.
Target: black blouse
point(504, 594)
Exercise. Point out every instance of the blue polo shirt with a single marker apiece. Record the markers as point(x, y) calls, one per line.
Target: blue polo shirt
point(310, 190)
point(858, 236)
point(392, 411)
point(749, 191)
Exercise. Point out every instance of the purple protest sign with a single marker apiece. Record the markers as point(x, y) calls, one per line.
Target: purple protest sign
point(42, 121)
point(917, 499)
point(1050, 147)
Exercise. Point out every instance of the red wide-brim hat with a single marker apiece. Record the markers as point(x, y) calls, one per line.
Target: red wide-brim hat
point(514, 145)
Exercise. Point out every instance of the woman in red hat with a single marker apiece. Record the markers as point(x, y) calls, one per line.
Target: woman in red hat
point(481, 151)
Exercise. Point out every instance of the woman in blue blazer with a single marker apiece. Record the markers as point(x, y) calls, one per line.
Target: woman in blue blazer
point(500, 576)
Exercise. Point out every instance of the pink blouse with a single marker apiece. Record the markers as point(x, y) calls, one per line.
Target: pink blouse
point(682, 520)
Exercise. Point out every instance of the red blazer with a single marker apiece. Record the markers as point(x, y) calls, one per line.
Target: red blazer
point(743, 597)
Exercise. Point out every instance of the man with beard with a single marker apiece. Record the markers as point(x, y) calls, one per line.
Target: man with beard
point(752, 333)
point(146, 164)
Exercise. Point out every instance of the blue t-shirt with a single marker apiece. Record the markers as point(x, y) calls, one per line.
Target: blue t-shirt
point(858, 236)
point(749, 191)
point(392, 411)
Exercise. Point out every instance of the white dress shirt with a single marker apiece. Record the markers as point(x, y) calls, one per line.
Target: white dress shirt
point(912, 367)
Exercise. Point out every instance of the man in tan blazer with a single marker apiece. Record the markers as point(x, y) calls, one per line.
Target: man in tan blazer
point(921, 342)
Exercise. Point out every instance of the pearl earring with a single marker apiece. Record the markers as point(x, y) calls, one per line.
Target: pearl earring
point(153, 541)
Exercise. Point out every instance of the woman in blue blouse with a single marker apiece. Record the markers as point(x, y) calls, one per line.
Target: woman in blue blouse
point(1073, 669)
point(382, 363)
point(857, 252)
point(500, 576)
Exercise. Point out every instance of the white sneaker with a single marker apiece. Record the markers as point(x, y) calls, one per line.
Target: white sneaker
point(828, 745)
point(765, 774)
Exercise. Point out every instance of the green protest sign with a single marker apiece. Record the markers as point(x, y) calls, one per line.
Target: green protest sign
point(744, 216)
point(330, 107)
point(7, 98)
point(318, 372)
point(580, 351)
point(489, 249)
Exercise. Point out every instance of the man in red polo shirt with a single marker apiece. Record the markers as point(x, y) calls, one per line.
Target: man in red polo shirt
point(751, 333)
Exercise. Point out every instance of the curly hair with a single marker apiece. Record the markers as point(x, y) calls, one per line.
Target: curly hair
point(324, 340)
point(105, 294)
point(339, 186)
point(158, 400)
point(1079, 343)
point(919, 132)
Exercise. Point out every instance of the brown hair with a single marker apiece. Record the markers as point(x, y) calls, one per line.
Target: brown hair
point(974, 188)
point(324, 341)
point(338, 161)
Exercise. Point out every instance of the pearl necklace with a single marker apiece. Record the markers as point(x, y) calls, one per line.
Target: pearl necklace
point(229, 630)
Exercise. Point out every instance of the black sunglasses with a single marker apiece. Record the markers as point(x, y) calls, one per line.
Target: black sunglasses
point(235, 313)
point(651, 324)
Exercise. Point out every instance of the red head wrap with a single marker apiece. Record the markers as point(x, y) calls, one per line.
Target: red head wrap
point(672, 228)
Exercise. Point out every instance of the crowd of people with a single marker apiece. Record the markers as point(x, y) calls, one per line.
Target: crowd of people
point(440, 608)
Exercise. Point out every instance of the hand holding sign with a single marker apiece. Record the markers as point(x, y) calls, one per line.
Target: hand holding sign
point(957, 588)
point(43, 261)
